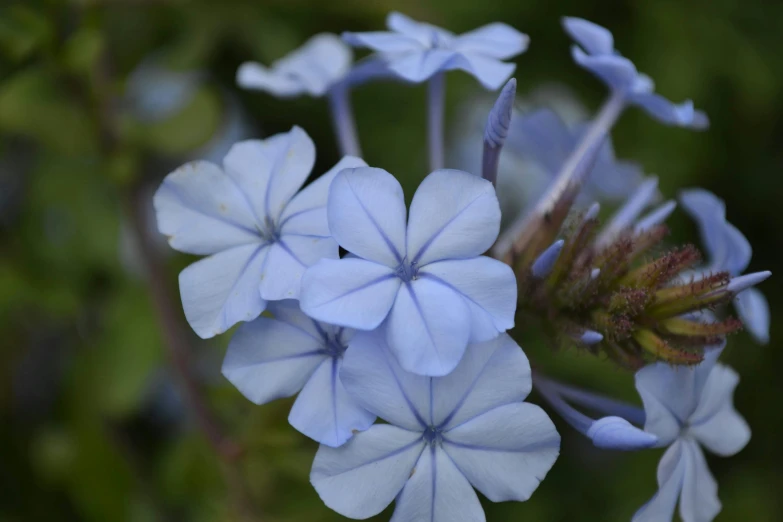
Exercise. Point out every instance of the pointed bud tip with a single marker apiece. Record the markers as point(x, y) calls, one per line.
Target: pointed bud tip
point(617, 433)
point(738, 284)
point(544, 263)
point(593, 211)
point(591, 337)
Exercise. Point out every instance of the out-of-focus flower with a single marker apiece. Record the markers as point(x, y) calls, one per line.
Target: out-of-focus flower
point(416, 51)
point(446, 435)
point(687, 408)
point(259, 234)
point(273, 358)
point(427, 279)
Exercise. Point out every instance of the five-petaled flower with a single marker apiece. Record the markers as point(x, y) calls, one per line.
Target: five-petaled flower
point(445, 434)
point(323, 61)
point(416, 51)
point(428, 279)
point(728, 251)
point(686, 407)
point(596, 53)
point(259, 234)
point(273, 358)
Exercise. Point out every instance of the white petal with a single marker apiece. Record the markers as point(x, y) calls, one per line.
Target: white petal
point(349, 292)
point(506, 452)
point(269, 359)
point(699, 498)
point(671, 472)
point(421, 31)
point(753, 309)
point(489, 375)
point(375, 379)
point(270, 171)
point(324, 411)
point(222, 290)
point(422, 65)
point(287, 261)
point(253, 75)
point(305, 215)
point(288, 311)
point(320, 63)
point(437, 491)
point(490, 72)
point(366, 212)
point(489, 287)
point(428, 328)
point(453, 214)
point(362, 477)
point(495, 40)
point(201, 210)
point(594, 38)
point(716, 423)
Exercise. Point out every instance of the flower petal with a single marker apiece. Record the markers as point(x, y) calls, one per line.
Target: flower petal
point(592, 37)
point(421, 31)
point(671, 471)
point(506, 452)
point(270, 171)
point(349, 292)
point(669, 113)
point(305, 215)
point(489, 375)
point(617, 72)
point(428, 328)
point(202, 212)
point(437, 491)
point(699, 498)
point(716, 423)
point(497, 40)
point(421, 66)
point(453, 215)
point(753, 309)
point(375, 379)
point(320, 63)
point(490, 72)
point(222, 290)
point(287, 261)
point(542, 136)
point(255, 76)
point(268, 359)
point(366, 212)
point(488, 286)
point(362, 477)
point(383, 42)
point(324, 411)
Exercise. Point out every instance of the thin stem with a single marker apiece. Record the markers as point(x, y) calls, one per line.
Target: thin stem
point(597, 402)
point(579, 421)
point(436, 107)
point(343, 120)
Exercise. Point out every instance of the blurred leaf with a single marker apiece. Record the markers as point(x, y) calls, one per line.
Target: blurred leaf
point(23, 31)
point(82, 50)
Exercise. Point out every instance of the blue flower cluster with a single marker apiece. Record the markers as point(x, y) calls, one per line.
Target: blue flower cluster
point(410, 325)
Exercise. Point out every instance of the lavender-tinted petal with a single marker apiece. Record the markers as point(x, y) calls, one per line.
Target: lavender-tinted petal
point(363, 476)
point(496, 40)
point(348, 292)
point(255, 76)
point(699, 498)
point(421, 31)
point(671, 473)
point(753, 309)
point(287, 260)
point(630, 211)
point(490, 72)
point(666, 112)
point(489, 375)
point(654, 218)
point(383, 42)
point(421, 66)
point(506, 452)
point(366, 211)
point(617, 72)
point(222, 290)
point(288, 311)
point(437, 491)
point(268, 359)
point(428, 327)
point(616, 433)
point(324, 411)
point(269, 172)
point(489, 288)
point(374, 378)
point(453, 214)
point(592, 37)
point(201, 210)
point(306, 213)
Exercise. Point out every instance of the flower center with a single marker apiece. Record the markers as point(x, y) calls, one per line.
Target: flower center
point(432, 435)
point(333, 347)
point(268, 231)
point(407, 271)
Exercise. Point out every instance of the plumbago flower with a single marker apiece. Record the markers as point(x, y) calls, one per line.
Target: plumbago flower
point(259, 234)
point(445, 434)
point(688, 408)
point(427, 281)
point(273, 358)
point(728, 251)
point(416, 51)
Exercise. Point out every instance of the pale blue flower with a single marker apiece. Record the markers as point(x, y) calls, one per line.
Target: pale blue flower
point(416, 51)
point(273, 358)
point(323, 61)
point(686, 408)
point(444, 437)
point(427, 280)
point(596, 53)
point(259, 234)
point(728, 251)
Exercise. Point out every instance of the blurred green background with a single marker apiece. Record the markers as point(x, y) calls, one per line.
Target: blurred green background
point(100, 99)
